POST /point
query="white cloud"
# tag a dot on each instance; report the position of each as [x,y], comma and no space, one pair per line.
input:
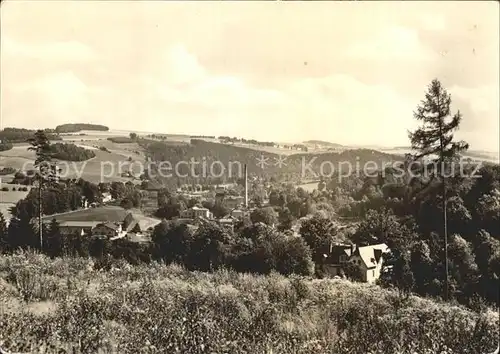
[483,99]
[181,67]
[391,43]
[59,97]
[335,105]
[53,51]
[185,80]
[433,22]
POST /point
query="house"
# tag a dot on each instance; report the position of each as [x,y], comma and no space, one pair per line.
[227,223]
[337,257]
[138,225]
[77,227]
[238,213]
[370,261]
[106,197]
[109,229]
[196,212]
[233,202]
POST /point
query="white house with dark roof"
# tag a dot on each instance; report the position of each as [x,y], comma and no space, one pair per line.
[196,212]
[370,261]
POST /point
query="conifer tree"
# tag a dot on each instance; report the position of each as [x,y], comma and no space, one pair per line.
[433,141]
[3,234]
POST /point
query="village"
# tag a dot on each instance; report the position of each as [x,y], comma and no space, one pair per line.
[109,221]
[249,177]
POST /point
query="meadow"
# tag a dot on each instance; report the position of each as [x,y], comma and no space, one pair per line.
[105,213]
[8,199]
[104,167]
[62,305]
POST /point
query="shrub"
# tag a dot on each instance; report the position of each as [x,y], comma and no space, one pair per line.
[4,146]
[7,170]
[114,307]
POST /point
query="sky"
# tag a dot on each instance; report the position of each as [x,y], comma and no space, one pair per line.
[345,72]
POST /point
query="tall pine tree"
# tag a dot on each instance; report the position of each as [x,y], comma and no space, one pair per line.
[40,144]
[433,141]
[4,246]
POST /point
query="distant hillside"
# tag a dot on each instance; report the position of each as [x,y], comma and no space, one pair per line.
[76,127]
[293,165]
[20,135]
[321,142]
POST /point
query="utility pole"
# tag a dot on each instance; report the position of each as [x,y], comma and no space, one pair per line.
[40,223]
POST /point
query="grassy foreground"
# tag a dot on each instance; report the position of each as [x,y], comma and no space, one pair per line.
[48,305]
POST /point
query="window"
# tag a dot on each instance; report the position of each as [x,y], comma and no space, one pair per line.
[373,273]
[342,258]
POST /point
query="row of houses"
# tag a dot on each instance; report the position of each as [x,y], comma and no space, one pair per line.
[196,214]
[110,222]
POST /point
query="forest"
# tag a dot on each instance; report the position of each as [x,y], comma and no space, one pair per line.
[76,127]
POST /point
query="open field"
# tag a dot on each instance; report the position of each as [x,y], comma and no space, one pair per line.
[268,149]
[5,210]
[70,303]
[105,167]
[11,196]
[105,213]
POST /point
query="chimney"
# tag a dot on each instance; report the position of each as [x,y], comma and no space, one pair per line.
[246,187]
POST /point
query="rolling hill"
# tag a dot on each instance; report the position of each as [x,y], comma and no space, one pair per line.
[260,162]
[324,143]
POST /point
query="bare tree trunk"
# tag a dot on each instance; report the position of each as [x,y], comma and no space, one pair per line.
[40,224]
[445,230]
[445,221]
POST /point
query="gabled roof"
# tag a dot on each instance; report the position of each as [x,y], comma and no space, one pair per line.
[198,208]
[370,255]
[227,220]
[337,251]
[79,223]
[110,225]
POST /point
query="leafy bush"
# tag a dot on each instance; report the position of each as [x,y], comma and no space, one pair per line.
[4,146]
[6,170]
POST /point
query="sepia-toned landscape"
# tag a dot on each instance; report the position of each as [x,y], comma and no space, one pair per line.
[249,177]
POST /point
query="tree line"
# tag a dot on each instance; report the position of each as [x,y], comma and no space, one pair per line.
[76,127]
